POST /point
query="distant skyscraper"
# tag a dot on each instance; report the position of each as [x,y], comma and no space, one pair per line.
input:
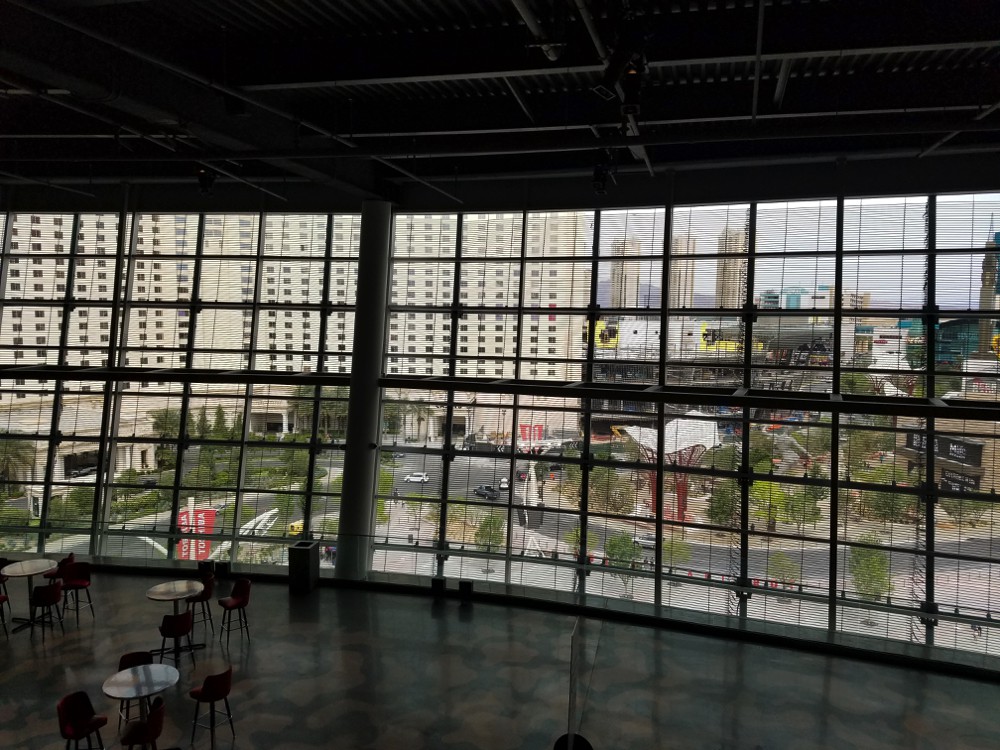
[626,273]
[731,273]
[682,272]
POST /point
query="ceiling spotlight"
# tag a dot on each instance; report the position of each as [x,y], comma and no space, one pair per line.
[206,181]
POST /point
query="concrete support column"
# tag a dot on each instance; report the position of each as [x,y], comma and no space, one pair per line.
[362,456]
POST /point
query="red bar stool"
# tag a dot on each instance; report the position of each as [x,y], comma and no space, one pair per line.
[147,731]
[237,601]
[215,688]
[47,598]
[78,720]
[127,661]
[76,578]
[204,612]
[176,627]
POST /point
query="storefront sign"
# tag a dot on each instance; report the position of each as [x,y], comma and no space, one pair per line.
[952,481]
[953,449]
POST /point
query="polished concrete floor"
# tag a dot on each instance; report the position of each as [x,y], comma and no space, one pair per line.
[355,669]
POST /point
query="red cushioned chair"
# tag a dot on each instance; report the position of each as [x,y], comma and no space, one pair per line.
[176,627]
[204,612]
[237,601]
[46,598]
[76,578]
[56,572]
[215,688]
[77,719]
[127,661]
[145,731]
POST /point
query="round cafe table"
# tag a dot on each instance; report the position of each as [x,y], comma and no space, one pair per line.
[140,684]
[27,569]
[176,592]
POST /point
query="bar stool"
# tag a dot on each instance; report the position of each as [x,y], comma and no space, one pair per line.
[215,688]
[127,661]
[237,601]
[47,598]
[78,720]
[145,731]
[76,578]
[176,627]
[204,612]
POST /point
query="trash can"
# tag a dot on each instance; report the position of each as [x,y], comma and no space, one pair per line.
[303,567]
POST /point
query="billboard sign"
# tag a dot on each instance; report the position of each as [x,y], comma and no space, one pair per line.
[960,451]
[199,521]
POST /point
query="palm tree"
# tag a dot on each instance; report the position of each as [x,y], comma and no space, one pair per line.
[17,457]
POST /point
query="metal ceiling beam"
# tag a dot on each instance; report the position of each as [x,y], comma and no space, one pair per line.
[782,85]
[978,118]
[554,142]
[46,183]
[750,59]
[208,83]
[520,100]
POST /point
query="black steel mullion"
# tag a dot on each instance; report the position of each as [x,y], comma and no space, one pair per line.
[320,360]
[448,453]
[55,435]
[586,411]
[107,450]
[746,469]
[660,473]
[838,320]
[515,410]
[929,485]
[183,438]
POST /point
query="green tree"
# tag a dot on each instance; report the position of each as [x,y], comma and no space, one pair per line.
[166,423]
[870,568]
[724,502]
[17,460]
[768,501]
[572,539]
[220,427]
[610,492]
[201,428]
[782,568]
[885,504]
[236,431]
[129,476]
[965,511]
[391,417]
[490,532]
[572,477]
[804,501]
[623,554]
[856,382]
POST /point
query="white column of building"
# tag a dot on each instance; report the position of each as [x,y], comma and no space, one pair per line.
[361,450]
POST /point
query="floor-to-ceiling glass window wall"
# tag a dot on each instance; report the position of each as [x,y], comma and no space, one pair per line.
[780,411]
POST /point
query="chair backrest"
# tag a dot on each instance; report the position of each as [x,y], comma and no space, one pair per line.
[74,710]
[134,659]
[208,581]
[154,721]
[217,686]
[45,596]
[174,626]
[241,590]
[76,571]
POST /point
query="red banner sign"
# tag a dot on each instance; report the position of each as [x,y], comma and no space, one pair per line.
[203,523]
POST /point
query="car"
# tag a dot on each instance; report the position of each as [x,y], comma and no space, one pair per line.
[83,471]
[397,454]
[488,491]
[504,483]
[417,476]
[645,540]
[149,480]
